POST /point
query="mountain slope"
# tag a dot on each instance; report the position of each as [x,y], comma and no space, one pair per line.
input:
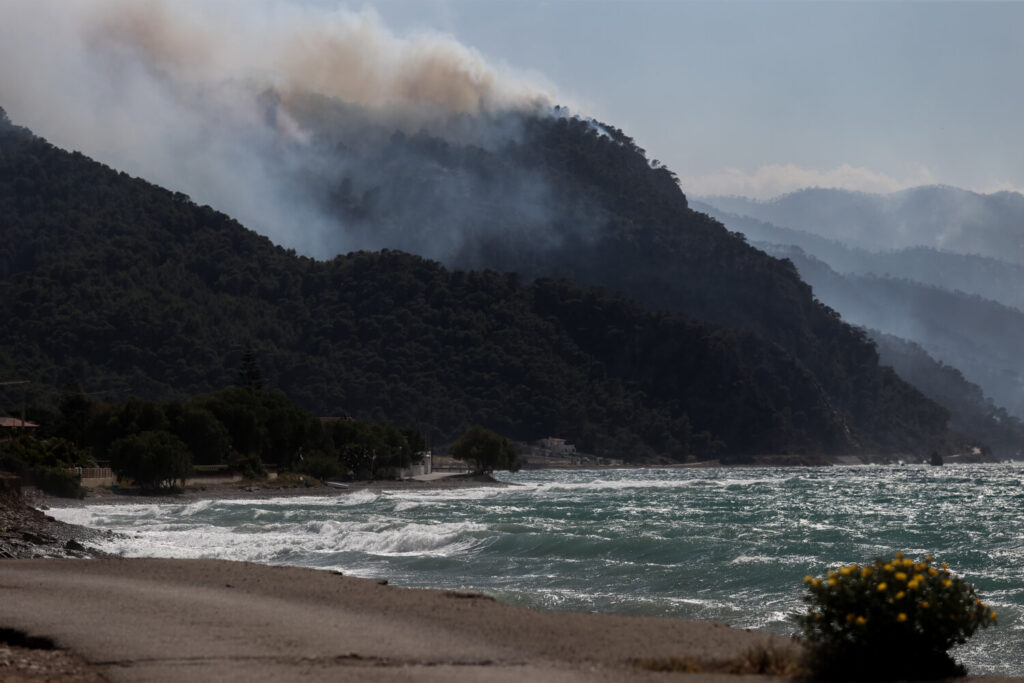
[607,217]
[130,288]
[978,337]
[971,412]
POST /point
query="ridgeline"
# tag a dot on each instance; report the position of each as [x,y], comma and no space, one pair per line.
[127,288]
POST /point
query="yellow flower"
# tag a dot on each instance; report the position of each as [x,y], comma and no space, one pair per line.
[947,583]
[945,566]
[908,562]
[833,575]
[882,586]
[832,582]
[845,571]
[992,616]
[913,585]
[865,573]
[928,558]
[899,555]
[808,579]
[924,604]
[901,576]
[888,567]
[899,596]
[861,621]
[932,571]
[901,617]
[816,583]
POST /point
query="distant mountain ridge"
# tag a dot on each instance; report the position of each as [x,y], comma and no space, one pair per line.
[970,410]
[984,276]
[981,338]
[936,216]
[122,284]
[963,310]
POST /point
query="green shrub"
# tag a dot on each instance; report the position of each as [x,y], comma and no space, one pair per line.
[153,460]
[321,466]
[487,450]
[893,619]
[57,481]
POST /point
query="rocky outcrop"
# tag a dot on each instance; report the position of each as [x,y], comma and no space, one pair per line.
[27,532]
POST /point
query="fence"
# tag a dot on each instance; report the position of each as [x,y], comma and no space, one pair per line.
[93,472]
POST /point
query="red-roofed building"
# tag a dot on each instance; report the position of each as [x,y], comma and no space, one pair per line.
[12,426]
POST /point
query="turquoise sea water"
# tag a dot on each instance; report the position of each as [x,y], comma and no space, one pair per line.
[724,544]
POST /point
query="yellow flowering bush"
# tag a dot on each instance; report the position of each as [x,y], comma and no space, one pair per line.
[893,619]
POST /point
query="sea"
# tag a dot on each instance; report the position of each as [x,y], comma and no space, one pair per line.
[726,544]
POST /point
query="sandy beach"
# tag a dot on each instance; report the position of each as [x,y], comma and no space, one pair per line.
[171,620]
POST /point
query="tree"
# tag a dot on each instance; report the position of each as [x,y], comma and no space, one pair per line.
[152,459]
[206,438]
[488,450]
[249,375]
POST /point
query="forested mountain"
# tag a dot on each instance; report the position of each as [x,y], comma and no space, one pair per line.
[970,411]
[980,338]
[962,309]
[940,217]
[126,287]
[599,213]
[987,277]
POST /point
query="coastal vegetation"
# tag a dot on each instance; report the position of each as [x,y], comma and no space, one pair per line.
[47,463]
[487,450]
[156,444]
[893,619]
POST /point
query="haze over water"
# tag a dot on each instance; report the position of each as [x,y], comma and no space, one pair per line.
[723,544]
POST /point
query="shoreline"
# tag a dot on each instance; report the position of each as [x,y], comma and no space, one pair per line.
[256,489]
[156,619]
[418,634]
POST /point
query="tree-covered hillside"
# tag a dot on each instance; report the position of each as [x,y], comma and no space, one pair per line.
[601,214]
[128,288]
[980,338]
[971,412]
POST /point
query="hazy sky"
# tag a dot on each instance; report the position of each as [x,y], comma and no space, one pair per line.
[752,98]
[759,98]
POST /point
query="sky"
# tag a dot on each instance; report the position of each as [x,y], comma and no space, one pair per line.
[747,98]
[762,98]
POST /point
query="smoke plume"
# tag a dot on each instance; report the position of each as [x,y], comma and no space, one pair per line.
[233,102]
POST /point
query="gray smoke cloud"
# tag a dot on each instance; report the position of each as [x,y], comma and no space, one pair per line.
[233,102]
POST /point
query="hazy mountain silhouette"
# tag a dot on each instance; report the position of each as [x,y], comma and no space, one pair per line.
[970,410]
[984,276]
[978,337]
[940,217]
